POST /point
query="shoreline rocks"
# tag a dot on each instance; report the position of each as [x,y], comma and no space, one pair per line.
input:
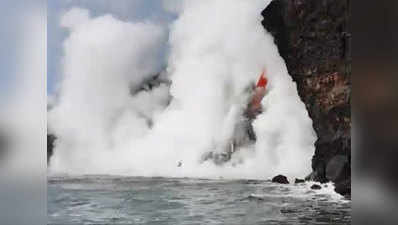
[299,181]
[280,179]
[316,187]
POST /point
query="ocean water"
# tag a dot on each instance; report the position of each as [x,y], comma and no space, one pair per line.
[174,201]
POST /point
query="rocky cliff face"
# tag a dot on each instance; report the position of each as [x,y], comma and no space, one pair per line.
[313,38]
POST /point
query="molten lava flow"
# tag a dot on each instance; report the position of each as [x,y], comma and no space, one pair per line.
[243,134]
[262,81]
[254,107]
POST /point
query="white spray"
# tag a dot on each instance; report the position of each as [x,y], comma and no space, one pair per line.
[218,49]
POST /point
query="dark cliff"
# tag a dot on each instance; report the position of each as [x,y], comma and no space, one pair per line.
[314,40]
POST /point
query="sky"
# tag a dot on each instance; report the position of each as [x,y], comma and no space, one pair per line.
[8,53]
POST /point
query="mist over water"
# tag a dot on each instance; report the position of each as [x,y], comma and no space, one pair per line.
[105,124]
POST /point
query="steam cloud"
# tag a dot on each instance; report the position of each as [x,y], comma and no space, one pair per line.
[218,48]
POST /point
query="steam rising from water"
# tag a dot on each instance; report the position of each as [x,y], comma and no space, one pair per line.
[218,49]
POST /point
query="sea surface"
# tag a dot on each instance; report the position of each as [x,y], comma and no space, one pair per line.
[174,201]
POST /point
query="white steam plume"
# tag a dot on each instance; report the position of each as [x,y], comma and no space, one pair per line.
[104,59]
[218,49]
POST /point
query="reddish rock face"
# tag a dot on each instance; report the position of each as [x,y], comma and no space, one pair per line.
[313,38]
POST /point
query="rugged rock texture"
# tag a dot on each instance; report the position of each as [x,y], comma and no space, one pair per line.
[313,38]
[280,179]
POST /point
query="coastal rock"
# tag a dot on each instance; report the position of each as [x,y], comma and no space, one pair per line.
[343,187]
[313,38]
[299,181]
[280,179]
[316,187]
[336,168]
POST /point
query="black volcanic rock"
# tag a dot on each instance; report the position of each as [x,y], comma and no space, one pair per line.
[280,179]
[337,168]
[316,187]
[314,40]
[343,187]
[299,181]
